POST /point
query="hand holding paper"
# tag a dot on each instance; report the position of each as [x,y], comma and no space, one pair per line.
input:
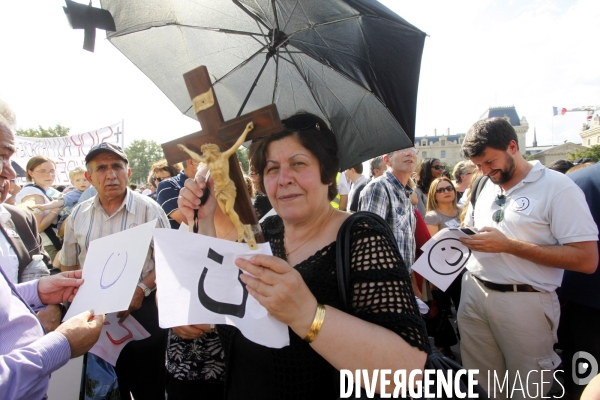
[111,271]
[198,283]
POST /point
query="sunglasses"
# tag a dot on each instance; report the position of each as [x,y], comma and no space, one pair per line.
[445,189]
[498,215]
[158,179]
[437,167]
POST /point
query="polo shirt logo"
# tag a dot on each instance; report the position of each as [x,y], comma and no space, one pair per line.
[523,205]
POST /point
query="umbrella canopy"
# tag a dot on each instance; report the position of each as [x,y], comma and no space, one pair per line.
[354,63]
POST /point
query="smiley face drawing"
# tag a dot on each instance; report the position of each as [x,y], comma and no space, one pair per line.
[448,256]
[521,204]
[113,269]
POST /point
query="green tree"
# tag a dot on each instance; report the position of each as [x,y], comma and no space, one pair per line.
[593,153]
[141,154]
[57,131]
[529,157]
[242,156]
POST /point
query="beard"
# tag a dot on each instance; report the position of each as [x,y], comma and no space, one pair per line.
[506,173]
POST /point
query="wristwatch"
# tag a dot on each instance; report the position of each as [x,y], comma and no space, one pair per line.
[145,289]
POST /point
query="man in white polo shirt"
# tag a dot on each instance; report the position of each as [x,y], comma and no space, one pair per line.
[539,224]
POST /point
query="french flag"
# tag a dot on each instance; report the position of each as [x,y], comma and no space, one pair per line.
[558,111]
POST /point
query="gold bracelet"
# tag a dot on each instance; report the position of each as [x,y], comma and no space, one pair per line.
[316,324]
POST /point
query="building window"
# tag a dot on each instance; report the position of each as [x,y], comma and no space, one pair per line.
[424,143]
[443,142]
[424,154]
[443,154]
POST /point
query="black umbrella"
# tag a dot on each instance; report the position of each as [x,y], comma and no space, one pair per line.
[20,171]
[354,63]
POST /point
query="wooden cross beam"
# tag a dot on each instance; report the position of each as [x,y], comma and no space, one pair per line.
[224,134]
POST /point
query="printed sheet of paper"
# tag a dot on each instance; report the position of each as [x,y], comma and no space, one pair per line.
[444,257]
[116,335]
[111,271]
[198,283]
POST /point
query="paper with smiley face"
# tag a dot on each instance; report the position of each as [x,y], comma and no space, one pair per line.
[111,271]
[444,257]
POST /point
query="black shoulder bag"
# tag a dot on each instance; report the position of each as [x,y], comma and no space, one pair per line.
[49,231]
[435,360]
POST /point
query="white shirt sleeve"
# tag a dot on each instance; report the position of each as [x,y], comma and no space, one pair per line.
[343,185]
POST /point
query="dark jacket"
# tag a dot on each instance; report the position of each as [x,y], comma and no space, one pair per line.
[29,242]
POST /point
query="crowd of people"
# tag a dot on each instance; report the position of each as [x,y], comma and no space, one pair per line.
[516,311]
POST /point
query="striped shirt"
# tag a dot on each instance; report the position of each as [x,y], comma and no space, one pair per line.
[401,216]
[27,356]
[89,221]
[167,194]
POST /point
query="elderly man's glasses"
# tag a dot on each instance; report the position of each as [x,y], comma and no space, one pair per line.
[445,189]
[498,215]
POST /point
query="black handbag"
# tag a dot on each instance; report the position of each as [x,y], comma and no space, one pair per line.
[435,360]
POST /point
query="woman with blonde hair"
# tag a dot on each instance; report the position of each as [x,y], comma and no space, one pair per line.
[442,209]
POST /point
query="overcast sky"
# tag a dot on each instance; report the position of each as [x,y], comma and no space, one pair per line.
[533,54]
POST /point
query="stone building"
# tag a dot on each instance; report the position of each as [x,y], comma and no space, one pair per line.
[555,153]
[590,133]
[446,147]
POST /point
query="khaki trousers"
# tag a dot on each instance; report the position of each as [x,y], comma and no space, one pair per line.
[511,334]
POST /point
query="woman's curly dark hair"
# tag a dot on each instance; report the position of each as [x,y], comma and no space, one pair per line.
[424,176]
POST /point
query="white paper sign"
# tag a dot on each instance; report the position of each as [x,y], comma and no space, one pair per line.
[444,257]
[111,271]
[198,283]
[115,335]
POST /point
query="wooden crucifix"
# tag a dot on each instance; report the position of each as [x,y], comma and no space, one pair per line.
[224,134]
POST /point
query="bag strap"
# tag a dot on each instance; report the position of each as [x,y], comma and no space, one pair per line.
[342,251]
[476,191]
[41,189]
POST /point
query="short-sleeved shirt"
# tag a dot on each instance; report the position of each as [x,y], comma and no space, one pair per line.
[441,220]
[546,208]
[400,217]
[167,193]
[89,221]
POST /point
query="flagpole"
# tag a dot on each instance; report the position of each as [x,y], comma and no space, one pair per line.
[552,133]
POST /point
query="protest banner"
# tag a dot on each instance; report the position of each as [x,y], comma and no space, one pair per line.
[67,152]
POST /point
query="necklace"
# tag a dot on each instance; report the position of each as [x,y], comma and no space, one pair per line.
[227,234]
[287,253]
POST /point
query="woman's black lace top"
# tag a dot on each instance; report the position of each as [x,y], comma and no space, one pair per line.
[382,295]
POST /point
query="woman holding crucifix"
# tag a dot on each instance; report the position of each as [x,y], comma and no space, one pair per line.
[298,285]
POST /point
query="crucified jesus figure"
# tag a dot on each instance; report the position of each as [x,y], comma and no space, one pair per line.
[225,192]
